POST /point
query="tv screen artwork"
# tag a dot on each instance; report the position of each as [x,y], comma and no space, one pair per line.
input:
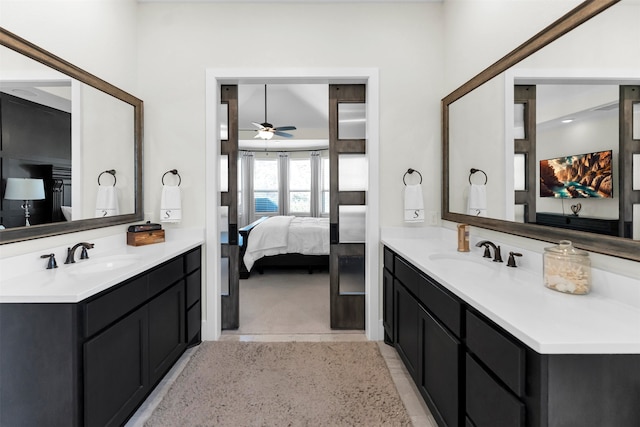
[580,176]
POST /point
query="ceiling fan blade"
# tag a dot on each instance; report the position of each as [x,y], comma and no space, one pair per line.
[286,128]
[286,135]
[258,125]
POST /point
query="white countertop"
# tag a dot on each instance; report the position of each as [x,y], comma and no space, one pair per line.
[548,321]
[69,284]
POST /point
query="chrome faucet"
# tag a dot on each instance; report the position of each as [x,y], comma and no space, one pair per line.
[83,255]
[497,256]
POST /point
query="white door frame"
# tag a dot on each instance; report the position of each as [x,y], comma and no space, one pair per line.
[211,324]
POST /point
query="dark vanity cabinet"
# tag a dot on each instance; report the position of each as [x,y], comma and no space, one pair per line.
[473,373]
[93,363]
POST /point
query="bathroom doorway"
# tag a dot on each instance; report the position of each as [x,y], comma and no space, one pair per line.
[215,78]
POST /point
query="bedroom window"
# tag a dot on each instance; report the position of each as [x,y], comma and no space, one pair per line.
[324,186]
[300,186]
[265,184]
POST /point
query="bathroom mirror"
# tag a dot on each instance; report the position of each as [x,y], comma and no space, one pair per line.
[476,117]
[88,134]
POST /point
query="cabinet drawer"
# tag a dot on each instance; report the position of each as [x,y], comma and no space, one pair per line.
[504,357]
[388,259]
[443,305]
[488,403]
[166,275]
[192,260]
[406,274]
[194,285]
[194,319]
[111,306]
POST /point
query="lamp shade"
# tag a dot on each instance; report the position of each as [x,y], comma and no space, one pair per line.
[24,189]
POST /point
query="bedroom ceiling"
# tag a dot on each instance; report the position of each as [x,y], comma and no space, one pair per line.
[305,106]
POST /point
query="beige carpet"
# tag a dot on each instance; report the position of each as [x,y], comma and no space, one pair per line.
[284,302]
[283,384]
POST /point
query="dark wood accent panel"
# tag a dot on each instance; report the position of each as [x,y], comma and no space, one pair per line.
[440,355]
[230,303]
[504,357]
[527,95]
[487,403]
[628,147]
[347,311]
[115,372]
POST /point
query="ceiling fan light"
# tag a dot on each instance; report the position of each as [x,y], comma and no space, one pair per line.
[265,134]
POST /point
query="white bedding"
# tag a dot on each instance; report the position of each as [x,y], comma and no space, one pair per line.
[287,234]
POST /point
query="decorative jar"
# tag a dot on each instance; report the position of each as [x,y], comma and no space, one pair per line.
[567,269]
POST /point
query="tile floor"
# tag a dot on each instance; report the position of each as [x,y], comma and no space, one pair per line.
[416,408]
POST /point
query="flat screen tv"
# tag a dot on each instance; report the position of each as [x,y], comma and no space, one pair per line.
[578,176]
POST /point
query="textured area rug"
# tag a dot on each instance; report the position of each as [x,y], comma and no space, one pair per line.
[283,384]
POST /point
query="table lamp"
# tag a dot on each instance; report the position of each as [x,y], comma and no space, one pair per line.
[24,189]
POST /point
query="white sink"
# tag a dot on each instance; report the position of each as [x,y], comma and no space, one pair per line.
[465,263]
[104,264]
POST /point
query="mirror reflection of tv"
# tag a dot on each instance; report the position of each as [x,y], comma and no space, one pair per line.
[578,176]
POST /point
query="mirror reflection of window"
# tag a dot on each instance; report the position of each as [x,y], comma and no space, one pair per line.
[636,171]
[223,114]
[518,121]
[224,173]
[353,172]
[636,120]
[519,175]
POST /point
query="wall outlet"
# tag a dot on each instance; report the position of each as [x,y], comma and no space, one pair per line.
[433,217]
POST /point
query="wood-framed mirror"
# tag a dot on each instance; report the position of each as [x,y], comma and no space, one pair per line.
[102,129]
[454,181]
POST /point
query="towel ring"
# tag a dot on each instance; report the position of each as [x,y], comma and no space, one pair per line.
[474,170]
[111,172]
[175,172]
[410,171]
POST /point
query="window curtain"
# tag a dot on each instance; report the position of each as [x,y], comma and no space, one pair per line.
[283,183]
[316,184]
[245,187]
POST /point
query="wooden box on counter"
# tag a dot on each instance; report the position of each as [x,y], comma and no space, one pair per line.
[141,238]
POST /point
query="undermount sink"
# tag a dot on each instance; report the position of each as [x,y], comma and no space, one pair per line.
[466,263]
[103,265]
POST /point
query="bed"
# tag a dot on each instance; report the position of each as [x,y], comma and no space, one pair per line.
[284,242]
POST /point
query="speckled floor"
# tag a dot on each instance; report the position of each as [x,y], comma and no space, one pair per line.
[268,327]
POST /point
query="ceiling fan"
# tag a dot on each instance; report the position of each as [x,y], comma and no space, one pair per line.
[266,130]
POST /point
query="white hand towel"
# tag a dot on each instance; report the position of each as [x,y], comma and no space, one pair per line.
[477,202]
[107,201]
[171,204]
[413,203]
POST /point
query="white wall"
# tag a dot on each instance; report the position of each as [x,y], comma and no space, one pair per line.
[177,43]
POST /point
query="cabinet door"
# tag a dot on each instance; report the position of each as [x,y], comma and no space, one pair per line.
[406,333]
[115,371]
[387,305]
[440,353]
[167,328]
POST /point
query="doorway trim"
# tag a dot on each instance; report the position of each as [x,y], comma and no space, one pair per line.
[211,322]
